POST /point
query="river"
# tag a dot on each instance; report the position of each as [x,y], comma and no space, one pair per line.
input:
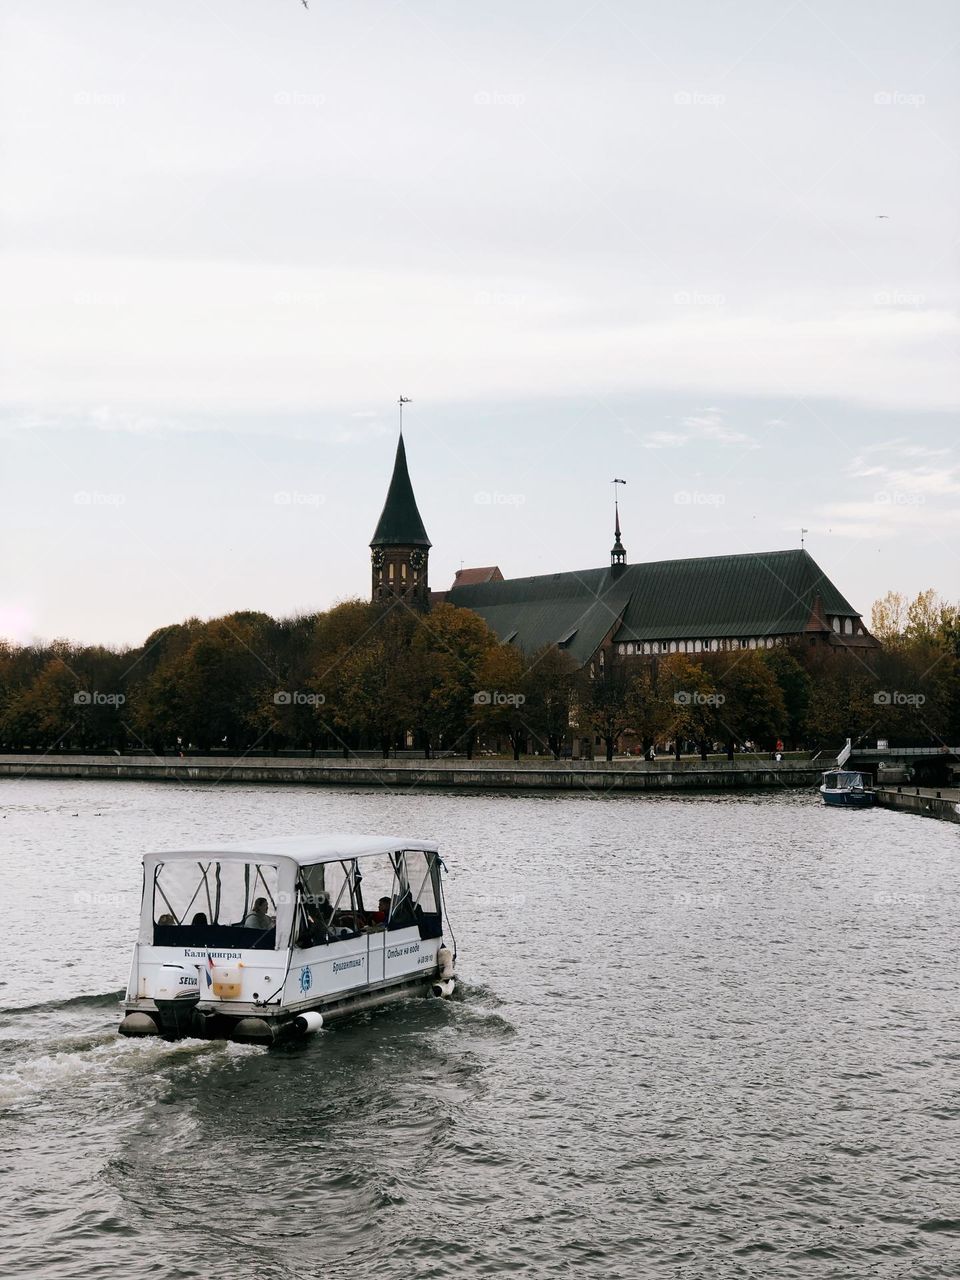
[695,1037]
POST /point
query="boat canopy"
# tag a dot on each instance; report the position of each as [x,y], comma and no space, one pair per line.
[301,850]
[252,888]
[842,779]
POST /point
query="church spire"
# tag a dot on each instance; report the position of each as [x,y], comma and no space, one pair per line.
[400,523]
[399,548]
[618,554]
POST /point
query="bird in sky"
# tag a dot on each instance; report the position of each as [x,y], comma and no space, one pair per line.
[305,5]
[879,215]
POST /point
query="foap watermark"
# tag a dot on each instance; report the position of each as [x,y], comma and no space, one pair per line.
[694,298]
[294,498]
[88,498]
[496,298]
[95,298]
[97,98]
[91,898]
[497,698]
[694,498]
[894,98]
[294,298]
[899,899]
[493,901]
[494,498]
[94,698]
[694,698]
[293,98]
[898,298]
[896,698]
[495,98]
[298,698]
[694,98]
[899,498]
[711,900]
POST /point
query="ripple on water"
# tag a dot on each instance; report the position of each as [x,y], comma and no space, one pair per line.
[704,1036]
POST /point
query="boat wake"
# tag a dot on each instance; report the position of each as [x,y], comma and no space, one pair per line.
[107,999]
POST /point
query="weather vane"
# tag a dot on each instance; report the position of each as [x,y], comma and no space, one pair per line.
[401,402]
[615,482]
[802,532]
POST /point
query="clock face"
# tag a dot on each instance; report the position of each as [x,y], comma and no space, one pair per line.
[417,559]
[377,557]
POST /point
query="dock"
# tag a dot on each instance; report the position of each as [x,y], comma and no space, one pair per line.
[928,802]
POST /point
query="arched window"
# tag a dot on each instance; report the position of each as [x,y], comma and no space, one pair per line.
[646,646]
[848,626]
[673,646]
[697,646]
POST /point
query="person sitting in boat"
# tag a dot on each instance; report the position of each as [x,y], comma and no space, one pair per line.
[167,918]
[382,912]
[258,918]
[199,918]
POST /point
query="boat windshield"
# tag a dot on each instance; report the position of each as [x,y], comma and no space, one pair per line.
[390,891]
[208,903]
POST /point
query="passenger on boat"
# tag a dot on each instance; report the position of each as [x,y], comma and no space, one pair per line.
[258,918]
[316,923]
[382,912]
[199,918]
[167,918]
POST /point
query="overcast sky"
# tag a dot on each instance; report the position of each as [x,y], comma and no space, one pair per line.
[587,239]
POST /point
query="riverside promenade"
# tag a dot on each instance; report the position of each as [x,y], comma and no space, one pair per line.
[929,802]
[745,772]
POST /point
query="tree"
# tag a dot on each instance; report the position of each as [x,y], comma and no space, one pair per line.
[753,707]
[794,684]
[688,702]
[547,685]
[500,700]
[601,694]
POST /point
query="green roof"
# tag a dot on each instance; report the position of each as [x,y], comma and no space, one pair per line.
[400,524]
[759,594]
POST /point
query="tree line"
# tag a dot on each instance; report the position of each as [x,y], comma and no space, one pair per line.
[364,676]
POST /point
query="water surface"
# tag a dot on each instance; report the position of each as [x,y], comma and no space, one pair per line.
[696,1036]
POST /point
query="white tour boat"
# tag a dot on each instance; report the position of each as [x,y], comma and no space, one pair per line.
[270,939]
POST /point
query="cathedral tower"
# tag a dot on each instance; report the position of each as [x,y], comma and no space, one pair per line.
[400,548]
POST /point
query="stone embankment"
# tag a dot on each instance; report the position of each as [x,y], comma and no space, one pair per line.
[541,775]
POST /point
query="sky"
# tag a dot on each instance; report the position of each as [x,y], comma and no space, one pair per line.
[586,239]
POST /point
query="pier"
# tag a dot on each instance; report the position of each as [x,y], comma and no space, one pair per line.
[929,802]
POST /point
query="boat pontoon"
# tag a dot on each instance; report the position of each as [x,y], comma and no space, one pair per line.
[272,938]
[844,788]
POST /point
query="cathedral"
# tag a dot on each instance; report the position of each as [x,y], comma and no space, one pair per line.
[708,604]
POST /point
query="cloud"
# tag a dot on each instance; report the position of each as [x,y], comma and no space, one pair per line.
[705,426]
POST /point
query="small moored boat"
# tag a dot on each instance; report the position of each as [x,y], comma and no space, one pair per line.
[270,939]
[846,789]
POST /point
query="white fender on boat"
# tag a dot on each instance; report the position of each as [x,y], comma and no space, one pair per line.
[444,987]
[445,961]
[309,1022]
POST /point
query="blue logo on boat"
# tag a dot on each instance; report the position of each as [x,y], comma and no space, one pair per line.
[306,980]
